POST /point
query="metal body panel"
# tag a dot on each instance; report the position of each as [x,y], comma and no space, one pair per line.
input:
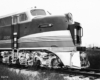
[59,34]
[47,39]
[33,27]
[71,59]
[58,23]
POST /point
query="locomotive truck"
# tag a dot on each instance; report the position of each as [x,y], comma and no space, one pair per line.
[35,38]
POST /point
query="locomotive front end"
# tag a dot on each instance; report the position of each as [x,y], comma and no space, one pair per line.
[70,53]
[58,34]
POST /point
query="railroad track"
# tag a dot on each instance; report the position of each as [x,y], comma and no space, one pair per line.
[84,72]
[90,74]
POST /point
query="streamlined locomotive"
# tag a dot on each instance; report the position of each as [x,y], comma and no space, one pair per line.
[35,38]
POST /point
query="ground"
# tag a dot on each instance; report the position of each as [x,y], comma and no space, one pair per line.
[94,58]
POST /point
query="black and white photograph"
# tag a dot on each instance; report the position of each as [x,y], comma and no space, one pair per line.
[49,40]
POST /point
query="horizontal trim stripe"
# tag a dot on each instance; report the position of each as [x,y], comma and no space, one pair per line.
[5,48]
[51,48]
[50,33]
[5,45]
[47,44]
[37,39]
[62,35]
[5,41]
[48,37]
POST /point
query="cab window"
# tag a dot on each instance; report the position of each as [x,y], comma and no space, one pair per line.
[38,12]
[6,21]
[15,19]
[22,17]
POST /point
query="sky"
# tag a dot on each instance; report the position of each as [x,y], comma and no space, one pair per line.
[86,12]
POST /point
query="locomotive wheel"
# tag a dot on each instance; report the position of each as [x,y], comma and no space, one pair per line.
[37,64]
[1,58]
[1,61]
[10,61]
[17,63]
[54,63]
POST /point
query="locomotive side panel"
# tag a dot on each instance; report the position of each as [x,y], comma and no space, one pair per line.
[47,39]
[44,24]
[5,37]
[27,29]
[44,32]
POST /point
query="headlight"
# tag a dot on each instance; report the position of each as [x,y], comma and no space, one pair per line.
[69,18]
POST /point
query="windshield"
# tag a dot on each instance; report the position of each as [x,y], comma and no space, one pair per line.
[38,12]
